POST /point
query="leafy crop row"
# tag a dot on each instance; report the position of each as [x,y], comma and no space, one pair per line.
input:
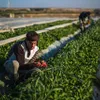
[20,31]
[69,75]
[46,39]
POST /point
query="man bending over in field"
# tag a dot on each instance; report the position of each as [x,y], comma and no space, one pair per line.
[84,19]
[23,56]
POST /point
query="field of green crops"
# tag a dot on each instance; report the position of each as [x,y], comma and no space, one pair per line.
[70,73]
[21,31]
[46,39]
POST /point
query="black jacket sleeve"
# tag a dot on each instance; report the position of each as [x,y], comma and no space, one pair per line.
[19,52]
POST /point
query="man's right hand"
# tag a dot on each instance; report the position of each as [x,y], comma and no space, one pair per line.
[37,64]
[44,64]
[40,64]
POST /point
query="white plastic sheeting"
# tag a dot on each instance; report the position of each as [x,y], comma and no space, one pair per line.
[6,24]
[3,42]
[57,45]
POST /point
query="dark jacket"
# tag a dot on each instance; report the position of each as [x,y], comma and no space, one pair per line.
[20,55]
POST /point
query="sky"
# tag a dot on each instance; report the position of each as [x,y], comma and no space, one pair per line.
[51,3]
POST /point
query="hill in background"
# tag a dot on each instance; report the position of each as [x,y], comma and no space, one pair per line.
[45,12]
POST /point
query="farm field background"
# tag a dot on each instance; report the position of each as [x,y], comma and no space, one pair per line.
[46,38]
[70,73]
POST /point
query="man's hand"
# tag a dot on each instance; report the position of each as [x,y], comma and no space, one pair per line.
[43,64]
[40,64]
[37,64]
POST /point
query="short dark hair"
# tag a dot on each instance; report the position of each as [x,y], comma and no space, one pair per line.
[32,36]
[88,13]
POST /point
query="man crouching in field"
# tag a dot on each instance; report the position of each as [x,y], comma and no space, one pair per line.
[23,56]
